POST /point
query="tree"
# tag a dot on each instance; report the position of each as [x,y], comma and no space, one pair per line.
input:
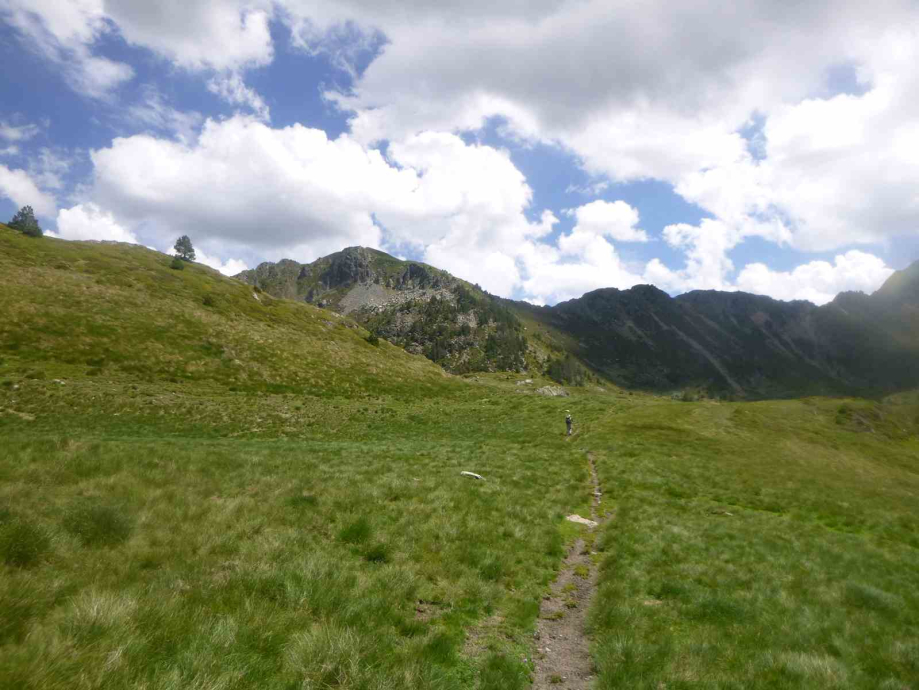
[184,250]
[25,222]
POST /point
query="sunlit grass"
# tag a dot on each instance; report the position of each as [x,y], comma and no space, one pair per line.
[203,489]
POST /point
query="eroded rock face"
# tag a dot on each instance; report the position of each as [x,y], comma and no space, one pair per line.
[349,266]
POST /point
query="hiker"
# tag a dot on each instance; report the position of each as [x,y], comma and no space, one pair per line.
[568,421]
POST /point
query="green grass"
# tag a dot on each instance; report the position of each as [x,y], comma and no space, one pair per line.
[202,489]
[763,545]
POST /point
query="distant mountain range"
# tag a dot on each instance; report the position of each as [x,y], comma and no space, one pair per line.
[724,342]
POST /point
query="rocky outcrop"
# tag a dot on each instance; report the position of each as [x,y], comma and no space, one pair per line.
[423,309]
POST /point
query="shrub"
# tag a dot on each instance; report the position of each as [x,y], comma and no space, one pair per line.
[177,264]
[97,525]
[373,338]
[22,544]
[209,301]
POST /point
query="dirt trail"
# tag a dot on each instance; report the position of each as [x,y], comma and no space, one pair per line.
[562,647]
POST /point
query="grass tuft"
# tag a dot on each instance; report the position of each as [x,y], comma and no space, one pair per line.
[96,525]
[356,532]
[22,544]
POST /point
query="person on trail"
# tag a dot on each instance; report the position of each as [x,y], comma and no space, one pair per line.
[568,421]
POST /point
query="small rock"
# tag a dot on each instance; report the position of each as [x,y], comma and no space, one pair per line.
[525,382]
[582,521]
[473,475]
[553,391]
[59,382]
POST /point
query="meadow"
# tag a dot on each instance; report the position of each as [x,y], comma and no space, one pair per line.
[204,487]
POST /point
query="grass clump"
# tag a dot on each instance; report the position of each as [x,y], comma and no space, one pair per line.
[22,544]
[378,553]
[356,532]
[503,672]
[177,264]
[97,525]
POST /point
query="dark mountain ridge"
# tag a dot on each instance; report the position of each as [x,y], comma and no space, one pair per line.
[725,342]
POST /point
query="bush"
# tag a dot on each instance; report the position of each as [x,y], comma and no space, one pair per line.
[22,544]
[373,339]
[209,301]
[177,264]
[97,525]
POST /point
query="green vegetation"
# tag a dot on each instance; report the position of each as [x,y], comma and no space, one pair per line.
[568,370]
[25,222]
[184,249]
[759,545]
[205,486]
[468,332]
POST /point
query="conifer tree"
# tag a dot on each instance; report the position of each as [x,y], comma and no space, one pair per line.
[25,222]
[183,248]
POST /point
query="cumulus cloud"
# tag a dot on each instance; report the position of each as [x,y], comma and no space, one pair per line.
[687,81]
[89,222]
[293,192]
[616,220]
[817,281]
[279,191]
[230,267]
[22,190]
[660,92]
[198,34]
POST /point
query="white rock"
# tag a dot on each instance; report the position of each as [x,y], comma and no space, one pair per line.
[472,474]
[582,521]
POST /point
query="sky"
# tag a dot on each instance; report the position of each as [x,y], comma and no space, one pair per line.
[539,148]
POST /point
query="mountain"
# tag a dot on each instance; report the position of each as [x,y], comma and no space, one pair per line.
[413,305]
[724,342]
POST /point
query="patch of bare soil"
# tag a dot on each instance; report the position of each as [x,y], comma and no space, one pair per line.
[562,646]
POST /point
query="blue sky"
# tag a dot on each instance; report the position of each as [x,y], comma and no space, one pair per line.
[540,149]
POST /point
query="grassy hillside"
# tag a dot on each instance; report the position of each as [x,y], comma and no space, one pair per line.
[199,488]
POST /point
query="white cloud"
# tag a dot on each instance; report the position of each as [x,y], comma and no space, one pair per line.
[198,34]
[293,192]
[230,267]
[277,191]
[47,168]
[17,133]
[64,33]
[231,88]
[817,281]
[616,220]
[89,222]
[661,91]
[153,112]
[19,187]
